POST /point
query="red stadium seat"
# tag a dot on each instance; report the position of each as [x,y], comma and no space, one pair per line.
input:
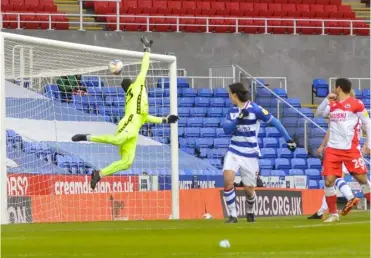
[335,2]
[331,28]
[323,2]
[361,28]
[172,23]
[281,1]
[247,26]
[288,26]
[29,22]
[129,7]
[61,22]
[304,10]
[317,26]
[291,10]
[103,8]
[277,10]
[176,7]
[275,26]
[310,2]
[205,8]
[158,24]
[248,9]
[222,25]
[304,27]
[145,6]
[344,27]
[43,21]
[220,8]
[90,4]
[294,1]
[161,7]
[18,5]
[191,8]
[234,9]
[11,21]
[51,8]
[263,10]
[33,5]
[186,23]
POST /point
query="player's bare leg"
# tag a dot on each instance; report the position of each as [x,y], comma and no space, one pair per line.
[230,195]
[250,200]
[331,198]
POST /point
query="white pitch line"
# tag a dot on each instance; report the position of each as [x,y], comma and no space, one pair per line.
[335,223]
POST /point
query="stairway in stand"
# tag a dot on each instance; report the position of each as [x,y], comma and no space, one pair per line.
[361,10]
[73,7]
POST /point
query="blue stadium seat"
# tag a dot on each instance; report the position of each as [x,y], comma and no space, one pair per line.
[221,142]
[296,172]
[317,132]
[263,124]
[225,112]
[357,93]
[95,91]
[62,162]
[109,101]
[160,132]
[321,184]
[320,121]
[274,103]
[180,131]
[202,102]
[261,132]
[204,92]
[211,122]
[313,174]
[163,111]
[182,142]
[289,122]
[266,164]
[366,102]
[228,103]
[289,112]
[207,132]
[285,153]
[217,102]
[189,92]
[52,91]
[301,153]
[216,163]
[320,87]
[268,153]
[156,92]
[315,142]
[282,164]
[217,153]
[191,142]
[282,143]
[195,122]
[183,111]
[190,151]
[307,112]
[118,101]
[166,102]
[264,102]
[280,92]
[197,111]
[269,142]
[220,93]
[80,99]
[220,133]
[265,172]
[152,111]
[298,163]
[191,132]
[272,132]
[164,140]
[186,102]
[313,184]
[366,93]
[263,92]
[295,102]
[278,173]
[111,91]
[204,143]
[203,152]
[214,112]
[182,122]
[260,143]
[314,163]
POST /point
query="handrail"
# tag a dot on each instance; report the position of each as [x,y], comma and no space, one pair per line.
[177,23]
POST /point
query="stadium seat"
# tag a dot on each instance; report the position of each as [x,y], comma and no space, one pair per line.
[266,164]
[272,132]
[313,174]
[285,153]
[183,112]
[280,92]
[294,102]
[262,132]
[217,102]
[160,132]
[221,143]
[198,112]
[191,132]
[278,173]
[228,103]
[320,86]
[270,142]
[366,93]
[321,122]
[317,133]
[296,172]
[321,184]
[282,143]
[203,152]
[289,122]
[202,102]
[186,102]
[207,132]
[301,153]
[282,164]
[182,142]
[298,163]
[216,163]
[214,112]
[225,112]
[314,163]
[268,153]
[220,133]
[307,112]
[204,143]
[189,92]
[220,93]
[190,151]
[313,184]
[217,153]
[211,122]
[180,131]
[191,142]
[204,92]
[195,122]
[265,172]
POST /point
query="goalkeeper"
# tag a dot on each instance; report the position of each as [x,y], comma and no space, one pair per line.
[136,114]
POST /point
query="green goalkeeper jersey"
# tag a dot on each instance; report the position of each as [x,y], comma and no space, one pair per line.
[136,95]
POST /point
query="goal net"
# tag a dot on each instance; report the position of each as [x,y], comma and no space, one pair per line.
[54,90]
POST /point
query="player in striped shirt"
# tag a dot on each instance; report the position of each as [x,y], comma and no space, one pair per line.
[243,122]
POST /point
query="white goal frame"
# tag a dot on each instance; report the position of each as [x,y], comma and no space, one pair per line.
[172,66]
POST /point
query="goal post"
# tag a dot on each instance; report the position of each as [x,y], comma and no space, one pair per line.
[42,62]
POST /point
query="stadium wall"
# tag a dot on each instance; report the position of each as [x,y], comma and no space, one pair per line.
[299,58]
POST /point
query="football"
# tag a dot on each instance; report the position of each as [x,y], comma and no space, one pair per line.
[115,66]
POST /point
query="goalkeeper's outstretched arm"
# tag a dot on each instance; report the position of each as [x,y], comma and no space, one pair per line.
[162,120]
[145,61]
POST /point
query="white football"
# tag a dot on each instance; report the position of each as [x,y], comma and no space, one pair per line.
[207,216]
[115,66]
[224,244]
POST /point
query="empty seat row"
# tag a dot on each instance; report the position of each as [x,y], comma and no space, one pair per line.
[310,172]
[285,164]
[28,5]
[31,21]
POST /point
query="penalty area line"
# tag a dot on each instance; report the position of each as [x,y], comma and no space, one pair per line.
[335,223]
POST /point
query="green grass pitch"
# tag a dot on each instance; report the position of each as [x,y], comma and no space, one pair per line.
[279,237]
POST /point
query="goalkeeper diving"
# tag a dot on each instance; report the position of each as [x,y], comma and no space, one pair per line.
[136,114]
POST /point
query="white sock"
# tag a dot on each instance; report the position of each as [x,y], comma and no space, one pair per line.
[250,203]
[230,199]
[344,188]
[324,206]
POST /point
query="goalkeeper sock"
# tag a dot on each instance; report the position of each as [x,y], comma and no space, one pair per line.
[250,203]
[230,199]
[330,194]
[323,208]
[344,188]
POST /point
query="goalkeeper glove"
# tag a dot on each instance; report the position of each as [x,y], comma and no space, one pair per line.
[244,113]
[291,145]
[147,44]
[170,119]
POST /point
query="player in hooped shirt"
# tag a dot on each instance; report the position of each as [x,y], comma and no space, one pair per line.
[346,115]
[243,122]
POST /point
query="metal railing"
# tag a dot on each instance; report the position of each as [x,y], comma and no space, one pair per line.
[358,82]
[179,23]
